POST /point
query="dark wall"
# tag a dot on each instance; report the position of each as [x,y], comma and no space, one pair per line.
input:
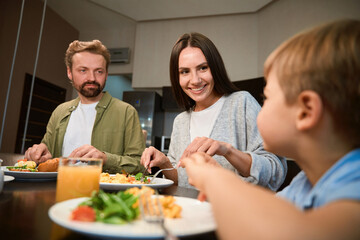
[57,34]
[254,86]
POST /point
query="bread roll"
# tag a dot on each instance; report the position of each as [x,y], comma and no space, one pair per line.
[50,165]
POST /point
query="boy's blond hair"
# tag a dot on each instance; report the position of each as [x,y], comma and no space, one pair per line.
[94,46]
[326,60]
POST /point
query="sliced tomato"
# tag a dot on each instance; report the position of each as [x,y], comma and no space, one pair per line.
[83,214]
[22,160]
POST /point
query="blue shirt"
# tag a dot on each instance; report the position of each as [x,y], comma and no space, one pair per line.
[341,181]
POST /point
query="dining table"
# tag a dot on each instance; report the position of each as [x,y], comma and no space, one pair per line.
[24,207]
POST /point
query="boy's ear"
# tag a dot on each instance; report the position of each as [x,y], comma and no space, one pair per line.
[310,108]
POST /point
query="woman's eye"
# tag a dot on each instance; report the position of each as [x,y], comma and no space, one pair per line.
[182,72]
[204,68]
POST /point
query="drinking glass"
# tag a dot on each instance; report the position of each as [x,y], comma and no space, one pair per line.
[77,177]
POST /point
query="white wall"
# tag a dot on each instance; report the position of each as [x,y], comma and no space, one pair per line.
[154,41]
[244,40]
[284,18]
[121,34]
[114,30]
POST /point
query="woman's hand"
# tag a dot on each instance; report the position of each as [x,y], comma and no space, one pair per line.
[152,157]
[208,146]
[200,158]
[240,160]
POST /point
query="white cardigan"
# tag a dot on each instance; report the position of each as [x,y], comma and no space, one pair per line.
[235,124]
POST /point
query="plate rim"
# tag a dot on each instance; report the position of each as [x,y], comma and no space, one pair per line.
[29,175]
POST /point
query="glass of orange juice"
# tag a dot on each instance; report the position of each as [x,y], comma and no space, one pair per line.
[77,177]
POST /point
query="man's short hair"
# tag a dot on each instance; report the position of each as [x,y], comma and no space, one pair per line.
[94,46]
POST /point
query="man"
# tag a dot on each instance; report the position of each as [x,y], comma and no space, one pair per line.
[94,124]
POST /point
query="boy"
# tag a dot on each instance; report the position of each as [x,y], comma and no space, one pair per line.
[311,114]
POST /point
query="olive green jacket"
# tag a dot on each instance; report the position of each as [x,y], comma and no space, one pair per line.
[116,132]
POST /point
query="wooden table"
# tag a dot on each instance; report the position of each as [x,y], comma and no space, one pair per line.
[24,211]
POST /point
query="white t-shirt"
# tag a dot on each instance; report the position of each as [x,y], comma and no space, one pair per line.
[79,129]
[202,123]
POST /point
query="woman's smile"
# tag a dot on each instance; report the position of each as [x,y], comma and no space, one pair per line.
[195,90]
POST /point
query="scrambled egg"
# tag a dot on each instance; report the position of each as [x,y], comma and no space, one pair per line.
[118,178]
[28,164]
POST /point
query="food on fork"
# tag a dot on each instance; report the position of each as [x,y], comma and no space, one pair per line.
[169,208]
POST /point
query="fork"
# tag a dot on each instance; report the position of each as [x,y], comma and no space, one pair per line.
[143,174]
[157,173]
[152,212]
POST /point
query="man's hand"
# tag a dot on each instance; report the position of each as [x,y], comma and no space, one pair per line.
[38,153]
[88,151]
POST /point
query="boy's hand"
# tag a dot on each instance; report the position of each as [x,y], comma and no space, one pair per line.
[199,167]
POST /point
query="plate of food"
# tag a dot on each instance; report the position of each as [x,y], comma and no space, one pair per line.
[123,181]
[194,217]
[30,171]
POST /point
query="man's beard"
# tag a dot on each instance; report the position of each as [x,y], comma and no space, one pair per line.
[90,92]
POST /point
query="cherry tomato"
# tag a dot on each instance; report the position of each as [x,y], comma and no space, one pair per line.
[83,214]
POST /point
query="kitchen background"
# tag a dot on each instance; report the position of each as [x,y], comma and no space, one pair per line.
[245,32]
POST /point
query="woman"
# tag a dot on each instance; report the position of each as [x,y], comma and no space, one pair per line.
[219,120]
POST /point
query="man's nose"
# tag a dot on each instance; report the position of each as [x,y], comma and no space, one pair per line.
[91,75]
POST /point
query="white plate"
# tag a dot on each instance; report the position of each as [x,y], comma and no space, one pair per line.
[157,184]
[29,176]
[196,218]
[8,178]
